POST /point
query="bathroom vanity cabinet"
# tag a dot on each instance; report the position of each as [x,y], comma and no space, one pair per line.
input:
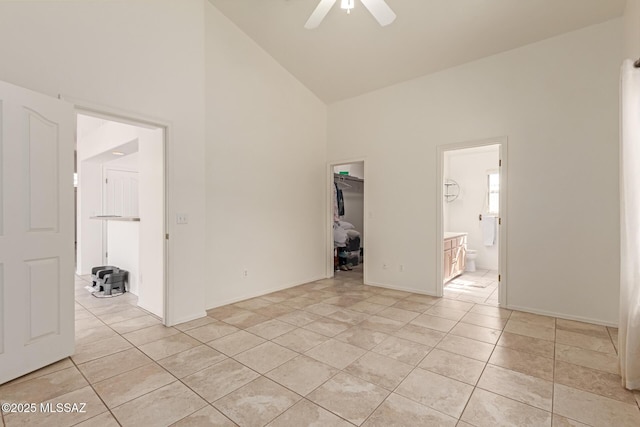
[455,251]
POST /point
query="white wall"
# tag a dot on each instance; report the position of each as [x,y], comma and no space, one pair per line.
[127,162]
[266,170]
[143,57]
[557,102]
[469,168]
[124,250]
[632,29]
[89,196]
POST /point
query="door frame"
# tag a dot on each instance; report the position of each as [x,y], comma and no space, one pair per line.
[329,211]
[502,142]
[135,119]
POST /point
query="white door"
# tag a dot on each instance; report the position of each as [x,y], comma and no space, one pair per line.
[36,231]
[121,193]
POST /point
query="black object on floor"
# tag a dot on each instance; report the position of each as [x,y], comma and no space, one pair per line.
[108,278]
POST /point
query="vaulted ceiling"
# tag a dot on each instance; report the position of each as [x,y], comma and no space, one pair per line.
[348,55]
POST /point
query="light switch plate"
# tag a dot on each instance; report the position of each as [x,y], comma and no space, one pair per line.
[182,218]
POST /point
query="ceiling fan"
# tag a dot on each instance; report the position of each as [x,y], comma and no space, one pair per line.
[378,8]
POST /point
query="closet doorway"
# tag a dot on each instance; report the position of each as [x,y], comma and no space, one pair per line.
[471,221]
[121,209]
[347,221]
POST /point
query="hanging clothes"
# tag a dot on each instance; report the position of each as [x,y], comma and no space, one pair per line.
[336,211]
[340,203]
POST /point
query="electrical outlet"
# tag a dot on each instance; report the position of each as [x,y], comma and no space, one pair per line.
[182,218]
[385,266]
[401,268]
[245,273]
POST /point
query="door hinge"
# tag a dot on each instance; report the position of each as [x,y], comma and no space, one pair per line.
[500,162]
[499,221]
[106,180]
[166,236]
[106,254]
[499,277]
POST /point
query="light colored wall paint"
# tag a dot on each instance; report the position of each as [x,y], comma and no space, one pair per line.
[128,162]
[557,102]
[121,243]
[266,153]
[632,29]
[469,168]
[124,250]
[145,57]
[89,203]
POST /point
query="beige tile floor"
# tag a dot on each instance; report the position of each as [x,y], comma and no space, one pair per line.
[480,286]
[335,353]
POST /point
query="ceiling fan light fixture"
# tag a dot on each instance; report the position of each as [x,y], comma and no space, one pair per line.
[347,5]
[378,8]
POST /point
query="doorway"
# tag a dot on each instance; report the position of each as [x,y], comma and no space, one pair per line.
[347,223]
[121,208]
[471,221]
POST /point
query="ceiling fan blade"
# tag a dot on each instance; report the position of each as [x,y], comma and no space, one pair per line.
[318,15]
[380,10]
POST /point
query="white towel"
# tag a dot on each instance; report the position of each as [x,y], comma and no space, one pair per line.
[488,225]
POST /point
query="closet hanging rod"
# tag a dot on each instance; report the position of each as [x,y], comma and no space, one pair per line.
[341,182]
[347,178]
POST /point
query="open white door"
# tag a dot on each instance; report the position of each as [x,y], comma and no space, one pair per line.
[36,231]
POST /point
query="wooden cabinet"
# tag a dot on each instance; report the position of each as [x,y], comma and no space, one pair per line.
[455,251]
[447,265]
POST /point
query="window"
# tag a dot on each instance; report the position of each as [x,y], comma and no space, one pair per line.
[493,182]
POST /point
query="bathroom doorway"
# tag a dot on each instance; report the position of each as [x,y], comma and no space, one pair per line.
[471,221]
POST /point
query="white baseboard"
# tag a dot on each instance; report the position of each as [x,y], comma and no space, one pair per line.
[561,315]
[510,307]
[399,288]
[265,292]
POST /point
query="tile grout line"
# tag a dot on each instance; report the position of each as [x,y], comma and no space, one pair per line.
[445,334]
[232,391]
[304,354]
[96,393]
[396,387]
[152,361]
